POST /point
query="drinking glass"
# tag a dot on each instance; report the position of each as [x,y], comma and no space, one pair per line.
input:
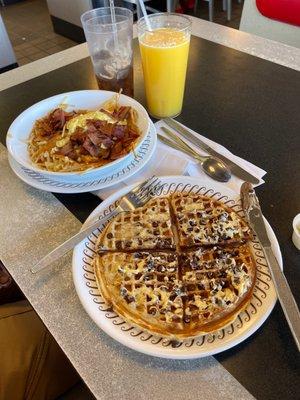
[164,51]
[110,47]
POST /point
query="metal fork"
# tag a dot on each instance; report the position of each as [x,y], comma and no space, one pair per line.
[136,198]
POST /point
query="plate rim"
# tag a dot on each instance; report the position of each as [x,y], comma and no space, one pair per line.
[169,353]
[9,139]
[18,169]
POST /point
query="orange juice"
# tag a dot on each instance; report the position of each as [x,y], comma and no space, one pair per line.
[164,54]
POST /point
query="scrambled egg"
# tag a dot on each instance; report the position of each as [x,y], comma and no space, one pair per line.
[80,120]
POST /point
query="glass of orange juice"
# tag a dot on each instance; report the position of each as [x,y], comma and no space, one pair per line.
[164,51]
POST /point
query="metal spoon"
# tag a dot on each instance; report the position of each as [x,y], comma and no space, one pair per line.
[213,167]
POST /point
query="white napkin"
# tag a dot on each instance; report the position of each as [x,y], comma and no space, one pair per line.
[167,161]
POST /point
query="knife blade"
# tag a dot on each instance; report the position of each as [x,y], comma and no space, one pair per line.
[251,206]
[235,169]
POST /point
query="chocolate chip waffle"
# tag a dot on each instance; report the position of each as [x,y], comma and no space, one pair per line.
[217,284]
[144,288]
[147,227]
[201,220]
[172,286]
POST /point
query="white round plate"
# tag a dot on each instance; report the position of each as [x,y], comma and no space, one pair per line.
[248,321]
[84,183]
[19,131]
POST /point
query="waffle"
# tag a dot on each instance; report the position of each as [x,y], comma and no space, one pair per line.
[143,288]
[176,285]
[217,284]
[147,227]
[201,220]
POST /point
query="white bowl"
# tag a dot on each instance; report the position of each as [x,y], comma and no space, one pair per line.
[19,131]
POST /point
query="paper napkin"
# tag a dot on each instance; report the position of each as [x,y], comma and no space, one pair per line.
[167,161]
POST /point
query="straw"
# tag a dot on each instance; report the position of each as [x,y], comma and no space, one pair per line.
[143,8]
[113,20]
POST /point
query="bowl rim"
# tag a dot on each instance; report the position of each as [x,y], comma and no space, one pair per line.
[33,167]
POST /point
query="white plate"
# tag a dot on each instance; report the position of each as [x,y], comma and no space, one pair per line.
[248,321]
[19,131]
[84,183]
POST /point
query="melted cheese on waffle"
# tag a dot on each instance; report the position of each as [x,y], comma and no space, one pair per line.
[201,220]
[146,283]
[215,280]
[145,228]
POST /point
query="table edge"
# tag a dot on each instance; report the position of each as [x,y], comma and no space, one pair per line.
[260,47]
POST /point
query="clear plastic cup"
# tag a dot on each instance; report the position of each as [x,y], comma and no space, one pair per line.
[164,52]
[110,47]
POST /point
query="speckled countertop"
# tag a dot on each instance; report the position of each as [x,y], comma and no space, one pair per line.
[270,50]
[33,222]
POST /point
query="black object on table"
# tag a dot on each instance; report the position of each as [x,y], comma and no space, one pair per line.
[251,106]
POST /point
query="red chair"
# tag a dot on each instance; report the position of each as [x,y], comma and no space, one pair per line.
[287,11]
[273,19]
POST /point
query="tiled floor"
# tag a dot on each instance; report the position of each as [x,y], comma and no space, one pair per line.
[30,31]
[220,16]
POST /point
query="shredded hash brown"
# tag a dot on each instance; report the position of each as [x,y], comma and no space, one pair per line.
[83,139]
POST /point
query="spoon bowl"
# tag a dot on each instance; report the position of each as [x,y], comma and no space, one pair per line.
[212,166]
[216,169]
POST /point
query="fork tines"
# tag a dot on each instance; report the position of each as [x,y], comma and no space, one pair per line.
[148,188]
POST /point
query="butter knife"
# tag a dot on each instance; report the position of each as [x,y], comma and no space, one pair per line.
[234,168]
[253,213]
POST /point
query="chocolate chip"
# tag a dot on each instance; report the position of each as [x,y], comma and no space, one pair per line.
[119,244]
[178,291]
[152,311]
[155,224]
[187,319]
[138,255]
[129,299]
[109,235]
[150,265]
[194,265]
